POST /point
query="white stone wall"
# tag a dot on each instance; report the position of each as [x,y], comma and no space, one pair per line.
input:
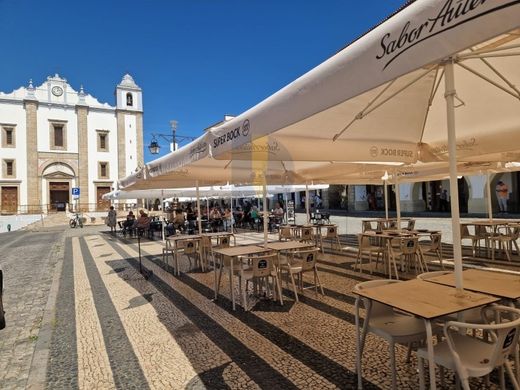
[46,114]
[131,143]
[101,121]
[15,114]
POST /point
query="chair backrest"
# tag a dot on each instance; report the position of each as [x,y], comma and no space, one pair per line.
[285,232]
[307,257]
[409,245]
[464,231]
[377,309]
[223,242]
[168,244]
[189,246]
[307,233]
[392,225]
[432,274]
[503,327]
[435,241]
[206,242]
[332,232]
[411,224]
[366,226]
[480,231]
[263,265]
[363,241]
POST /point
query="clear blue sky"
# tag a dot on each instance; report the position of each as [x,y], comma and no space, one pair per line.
[196,60]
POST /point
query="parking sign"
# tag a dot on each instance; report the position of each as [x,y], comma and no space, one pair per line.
[75,192]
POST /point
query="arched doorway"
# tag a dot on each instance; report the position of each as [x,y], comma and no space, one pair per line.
[57,180]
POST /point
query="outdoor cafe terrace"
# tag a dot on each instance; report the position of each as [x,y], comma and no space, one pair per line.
[257,342]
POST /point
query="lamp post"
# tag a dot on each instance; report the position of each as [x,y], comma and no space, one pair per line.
[154,146]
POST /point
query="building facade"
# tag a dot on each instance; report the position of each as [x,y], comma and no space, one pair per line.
[54,139]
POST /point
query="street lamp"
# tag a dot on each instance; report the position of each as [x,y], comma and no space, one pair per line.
[154,146]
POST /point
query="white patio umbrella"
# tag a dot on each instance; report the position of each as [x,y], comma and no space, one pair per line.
[381,98]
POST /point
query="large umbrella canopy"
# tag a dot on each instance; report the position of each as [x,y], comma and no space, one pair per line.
[435,82]
[382,97]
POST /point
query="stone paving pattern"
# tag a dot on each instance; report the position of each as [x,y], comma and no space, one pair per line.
[114,329]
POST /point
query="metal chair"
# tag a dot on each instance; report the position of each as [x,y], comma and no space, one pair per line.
[434,246]
[383,321]
[472,357]
[261,269]
[300,262]
[407,250]
[285,233]
[365,246]
[332,235]
[504,240]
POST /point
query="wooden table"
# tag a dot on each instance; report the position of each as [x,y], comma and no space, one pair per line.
[499,284]
[232,252]
[422,299]
[287,245]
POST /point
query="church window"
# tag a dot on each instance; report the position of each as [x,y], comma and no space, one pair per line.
[9,168]
[8,138]
[103,170]
[129,99]
[102,140]
[58,135]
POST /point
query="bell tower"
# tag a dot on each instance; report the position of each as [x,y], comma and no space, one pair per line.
[129,112]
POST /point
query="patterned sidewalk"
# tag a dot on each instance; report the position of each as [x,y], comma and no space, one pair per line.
[114,329]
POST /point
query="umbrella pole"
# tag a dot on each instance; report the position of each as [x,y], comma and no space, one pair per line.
[139,248]
[163,222]
[488,192]
[285,207]
[398,201]
[449,95]
[266,212]
[386,199]
[199,216]
[307,203]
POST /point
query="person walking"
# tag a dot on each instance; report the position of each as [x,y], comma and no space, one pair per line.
[112,219]
[502,194]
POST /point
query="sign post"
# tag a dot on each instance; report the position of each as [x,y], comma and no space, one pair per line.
[75,196]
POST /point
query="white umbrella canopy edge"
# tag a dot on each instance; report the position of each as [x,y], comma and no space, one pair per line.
[423,33]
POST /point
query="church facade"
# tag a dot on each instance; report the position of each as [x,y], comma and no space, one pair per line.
[56,141]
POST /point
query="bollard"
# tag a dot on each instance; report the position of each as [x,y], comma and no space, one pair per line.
[8,227]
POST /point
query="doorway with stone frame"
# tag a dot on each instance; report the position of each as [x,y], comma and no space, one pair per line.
[9,200]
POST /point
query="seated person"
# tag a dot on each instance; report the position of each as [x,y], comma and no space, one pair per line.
[143,222]
[179,220]
[130,219]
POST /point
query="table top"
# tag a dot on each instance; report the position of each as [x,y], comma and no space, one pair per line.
[389,234]
[425,299]
[287,245]
[243,250]
[184,237]
[217,234]
[499,284]
[385,219]
[495,222]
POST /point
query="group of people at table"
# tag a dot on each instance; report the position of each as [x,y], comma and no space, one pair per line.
[183,220]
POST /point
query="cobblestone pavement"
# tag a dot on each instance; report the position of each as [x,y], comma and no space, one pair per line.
[28,261]
[112,328]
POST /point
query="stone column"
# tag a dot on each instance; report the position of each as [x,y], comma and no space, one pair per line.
[82,174]
[33,183]
[121,148]
[139,138]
